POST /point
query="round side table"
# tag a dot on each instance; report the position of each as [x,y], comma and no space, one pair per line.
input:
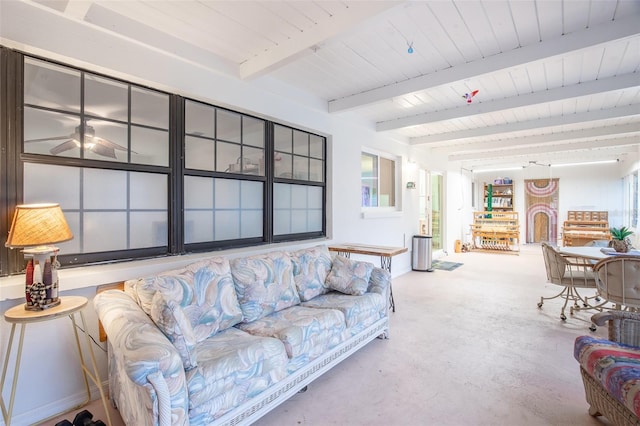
[18,315]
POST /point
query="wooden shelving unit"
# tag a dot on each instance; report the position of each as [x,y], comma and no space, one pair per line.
[495,231]
[501,197]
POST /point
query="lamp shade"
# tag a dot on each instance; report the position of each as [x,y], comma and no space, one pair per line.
[38,225]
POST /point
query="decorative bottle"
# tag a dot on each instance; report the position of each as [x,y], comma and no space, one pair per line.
[28,282]
[47,279]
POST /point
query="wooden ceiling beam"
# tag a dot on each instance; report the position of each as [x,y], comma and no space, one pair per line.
[603,114]
[614,30]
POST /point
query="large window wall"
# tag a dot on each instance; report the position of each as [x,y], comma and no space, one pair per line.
[140,172]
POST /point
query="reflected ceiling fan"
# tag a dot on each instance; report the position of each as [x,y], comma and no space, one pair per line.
[93,143]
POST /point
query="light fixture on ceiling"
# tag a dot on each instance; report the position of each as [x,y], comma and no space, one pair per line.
[586,163]
[498,169]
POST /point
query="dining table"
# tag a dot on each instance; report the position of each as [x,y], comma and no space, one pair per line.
[593,253]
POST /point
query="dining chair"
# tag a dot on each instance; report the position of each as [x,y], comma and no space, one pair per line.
[571,273]
[619,281]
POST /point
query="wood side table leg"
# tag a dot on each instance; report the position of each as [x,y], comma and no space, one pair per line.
[7,413]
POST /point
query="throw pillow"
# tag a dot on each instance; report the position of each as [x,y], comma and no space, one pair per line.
[264,284]
[310,269]
[349,276]
[167,314]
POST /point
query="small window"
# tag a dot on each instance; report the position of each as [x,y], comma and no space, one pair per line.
[378,181]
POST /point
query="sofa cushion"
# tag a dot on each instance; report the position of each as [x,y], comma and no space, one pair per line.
[310,269]
[359,311]
[305,332]
[614,365]
[264,284]
[204,290]
[232,367]
[349,276]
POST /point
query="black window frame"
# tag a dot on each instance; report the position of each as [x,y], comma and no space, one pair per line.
[12,159]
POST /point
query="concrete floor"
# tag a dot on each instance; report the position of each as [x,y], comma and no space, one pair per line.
[467,347]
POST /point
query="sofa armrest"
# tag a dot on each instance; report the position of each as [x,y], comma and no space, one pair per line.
[624,327]
[145,355]
[380,281]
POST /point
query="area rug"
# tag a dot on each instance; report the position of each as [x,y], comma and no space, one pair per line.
[444,265]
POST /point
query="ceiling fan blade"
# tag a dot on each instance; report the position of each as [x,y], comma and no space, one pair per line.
[107,143]
[103,150]
[65,146]
[56,138]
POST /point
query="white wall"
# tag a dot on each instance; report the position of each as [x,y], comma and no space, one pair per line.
[50,379]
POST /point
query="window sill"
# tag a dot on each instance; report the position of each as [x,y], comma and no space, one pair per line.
[376,214]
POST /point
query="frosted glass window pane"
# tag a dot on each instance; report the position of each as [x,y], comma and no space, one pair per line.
[198,226]
[282,222]
[148,191]
[316,144]
[228,126]
[298,196]
[107,141]
[37,187]
[149,146]
[250,223]
[51,85]
[252,132]
[283,165]
[227,194]
[251,195]
[149,108]
[253,161]
[106,98]
[104,189]
[316,172]
[281,196]
[300,168]
[227,225]
[73,245]
[39,125]
[314,197]
[300,143]
[198,192]
[315,221]
[298,221]
[228,159]
[148,229]
[199,153]
[283,138]
[104,231]
[200,119]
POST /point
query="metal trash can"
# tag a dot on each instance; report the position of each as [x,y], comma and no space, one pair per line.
[421,253]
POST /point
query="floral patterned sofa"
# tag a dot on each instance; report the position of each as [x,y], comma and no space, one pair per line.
[224,341]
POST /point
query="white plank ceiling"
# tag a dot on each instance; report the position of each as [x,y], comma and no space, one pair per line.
[557,80]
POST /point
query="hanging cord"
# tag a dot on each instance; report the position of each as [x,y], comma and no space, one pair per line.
[94,340]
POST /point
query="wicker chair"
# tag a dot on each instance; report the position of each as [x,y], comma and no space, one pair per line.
[612,365]
[619,281]
[571,274]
